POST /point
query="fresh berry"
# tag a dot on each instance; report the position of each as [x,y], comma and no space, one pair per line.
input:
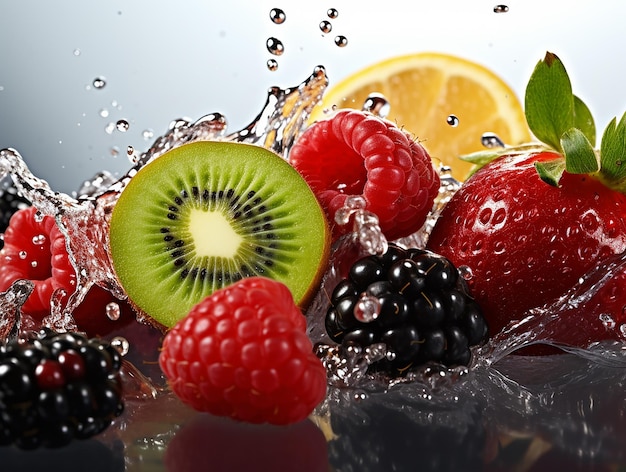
[243,352]
[424,313]
[356,153]
[10,202]
[34,249]
[529,225]
[55,387]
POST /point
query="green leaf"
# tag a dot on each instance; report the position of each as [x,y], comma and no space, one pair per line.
[613,152]
[482,157]
[551,171]
[583,120]
[580,157]
[549,102]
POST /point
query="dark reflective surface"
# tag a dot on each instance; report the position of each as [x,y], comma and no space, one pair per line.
[525,414]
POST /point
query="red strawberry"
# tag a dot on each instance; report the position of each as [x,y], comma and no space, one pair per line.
[243,352]
[34,249]
[530,225]
[356,153]
[527,242]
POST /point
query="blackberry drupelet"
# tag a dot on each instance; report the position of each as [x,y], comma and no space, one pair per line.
[55,387]
[10,202]
[424,311]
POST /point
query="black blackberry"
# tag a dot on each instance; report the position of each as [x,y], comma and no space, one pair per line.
[10,202]
[423,310]
[55,387]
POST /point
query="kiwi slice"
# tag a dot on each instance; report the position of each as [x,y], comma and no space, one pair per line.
[207,214]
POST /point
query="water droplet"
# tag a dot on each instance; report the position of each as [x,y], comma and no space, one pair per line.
[77,52]
[466,272]
[275,46]
[39,216]
[277,16]
[113,311]
[122,126]
[491,140]
[109,128]
[22,255]
[39,240]
[133,157]
[103,113]
[452,120]
[622,330]
[272,64]
[341,41]
[147,134]
[114,151]
[332,13]
[121,344]
[360,396]
[607,321]
[99,82]
[501,9]
[34,264]
[367,309]
[326,26]
[377,104]
[1,88]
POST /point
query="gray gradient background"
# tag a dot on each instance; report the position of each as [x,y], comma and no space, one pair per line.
[165,60]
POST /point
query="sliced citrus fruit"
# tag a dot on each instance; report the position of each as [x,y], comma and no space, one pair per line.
[447,102]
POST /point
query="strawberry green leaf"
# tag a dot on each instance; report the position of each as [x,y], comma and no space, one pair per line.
[583,120]
[482,157]
[549,102]
[551,171]
[613,153]
[580,157]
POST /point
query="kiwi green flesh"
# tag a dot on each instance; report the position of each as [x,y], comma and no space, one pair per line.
[207,214]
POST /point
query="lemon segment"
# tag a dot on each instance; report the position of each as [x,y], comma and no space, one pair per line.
[427,92]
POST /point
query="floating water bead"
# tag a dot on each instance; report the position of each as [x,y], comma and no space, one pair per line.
[122,126]
[113,311]
[99,83]
[277,16]
[326,26]
[491,140]
[275,46]
[452,120]
[272,64]
[377,104]
[341,41]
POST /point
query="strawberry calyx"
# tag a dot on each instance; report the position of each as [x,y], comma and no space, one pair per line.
[563,123]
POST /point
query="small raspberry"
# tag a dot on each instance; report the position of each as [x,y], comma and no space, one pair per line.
[356,153]
[34,249]
[243,352]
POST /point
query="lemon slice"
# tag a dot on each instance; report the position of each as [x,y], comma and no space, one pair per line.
[448,103]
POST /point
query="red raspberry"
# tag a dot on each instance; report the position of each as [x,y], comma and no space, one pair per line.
[357,153]
[34,249]
[243,352]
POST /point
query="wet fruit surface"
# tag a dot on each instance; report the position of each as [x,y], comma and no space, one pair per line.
[524,242]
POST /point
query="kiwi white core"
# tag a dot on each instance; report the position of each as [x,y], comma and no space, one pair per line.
[213,234]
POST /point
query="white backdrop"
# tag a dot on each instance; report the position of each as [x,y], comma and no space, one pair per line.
[164,60]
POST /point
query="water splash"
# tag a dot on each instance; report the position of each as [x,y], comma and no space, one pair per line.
[84,219]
